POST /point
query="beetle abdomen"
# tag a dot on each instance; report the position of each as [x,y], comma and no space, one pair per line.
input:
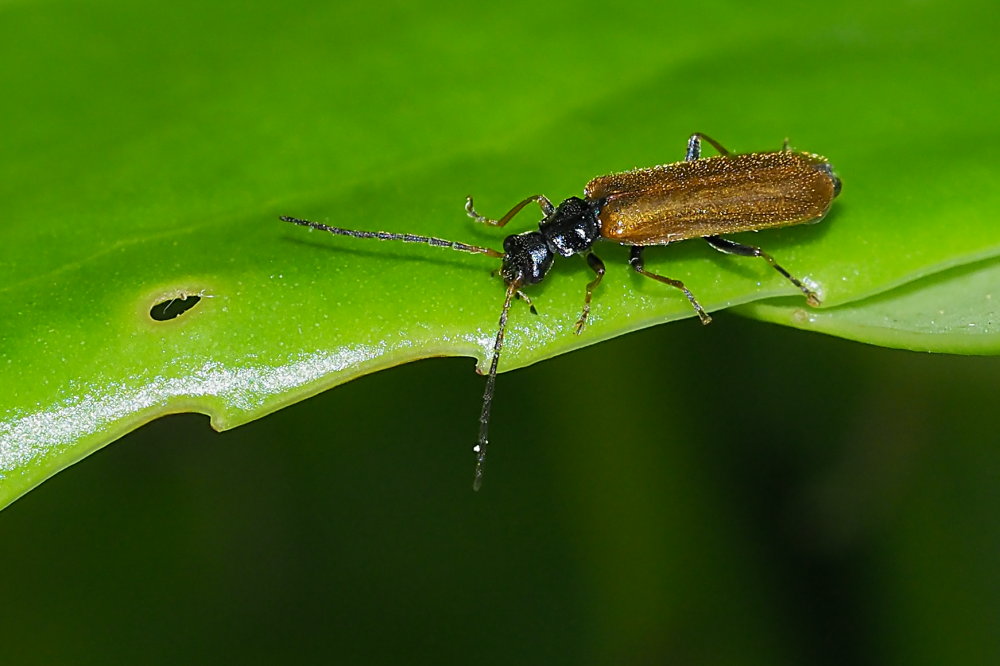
[715,195]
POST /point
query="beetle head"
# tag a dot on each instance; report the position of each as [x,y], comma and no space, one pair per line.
[527,258]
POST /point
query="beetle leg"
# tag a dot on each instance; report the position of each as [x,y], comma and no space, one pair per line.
[598,267]
[636,262]
[694,146]
[543,203]
[731,247]
[524,297]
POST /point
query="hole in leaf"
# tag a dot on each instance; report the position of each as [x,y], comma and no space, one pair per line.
[174,307]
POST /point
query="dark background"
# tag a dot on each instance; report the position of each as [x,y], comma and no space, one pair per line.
[738,493]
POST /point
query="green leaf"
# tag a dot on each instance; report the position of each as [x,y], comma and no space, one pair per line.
[152,163]
[951,311]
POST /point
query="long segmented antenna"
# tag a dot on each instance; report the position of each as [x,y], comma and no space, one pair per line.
[385,235]
[491,380]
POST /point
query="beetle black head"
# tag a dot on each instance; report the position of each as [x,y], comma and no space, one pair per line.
[527,258]
[572,227]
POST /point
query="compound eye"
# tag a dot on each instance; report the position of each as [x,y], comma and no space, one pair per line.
[510,246]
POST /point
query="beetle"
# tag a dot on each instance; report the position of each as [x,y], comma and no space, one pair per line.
[697,198]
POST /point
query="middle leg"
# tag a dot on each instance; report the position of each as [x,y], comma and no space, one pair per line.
[638,265]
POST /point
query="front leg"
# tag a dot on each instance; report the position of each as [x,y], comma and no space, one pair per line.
[543,203]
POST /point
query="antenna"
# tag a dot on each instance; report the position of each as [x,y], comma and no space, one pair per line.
[385,235]
[491,380]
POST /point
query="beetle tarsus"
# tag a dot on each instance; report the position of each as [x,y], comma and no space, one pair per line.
[524,297]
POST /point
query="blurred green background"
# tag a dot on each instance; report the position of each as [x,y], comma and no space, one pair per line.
[741,493]
[735,494]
